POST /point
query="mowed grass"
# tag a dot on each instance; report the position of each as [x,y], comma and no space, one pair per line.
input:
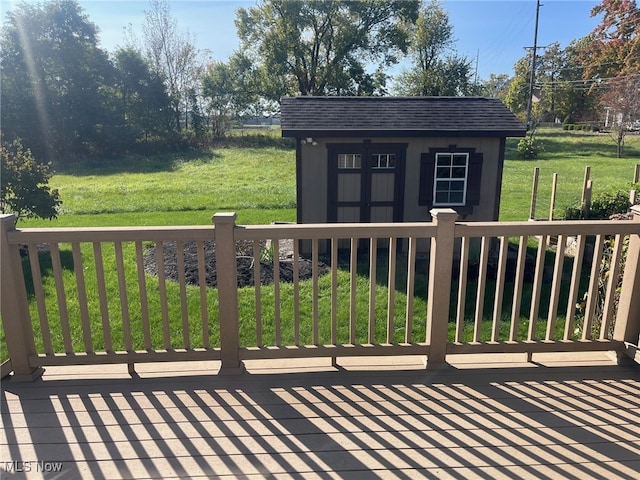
[258,183]
[566,153]
[255,177]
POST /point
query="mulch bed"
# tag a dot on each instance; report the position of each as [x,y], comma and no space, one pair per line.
[244,260]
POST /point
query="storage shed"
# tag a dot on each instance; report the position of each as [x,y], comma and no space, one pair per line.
[392,159]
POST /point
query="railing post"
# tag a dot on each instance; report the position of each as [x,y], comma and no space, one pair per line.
[227,275]
[627,328]
[14,306]
[440,269]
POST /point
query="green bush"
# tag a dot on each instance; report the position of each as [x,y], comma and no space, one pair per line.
[573,212]
[603,206]
[587,127]
[25,189]
[607,204]
[529,148]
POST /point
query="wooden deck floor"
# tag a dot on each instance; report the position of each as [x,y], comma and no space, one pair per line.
[559,417]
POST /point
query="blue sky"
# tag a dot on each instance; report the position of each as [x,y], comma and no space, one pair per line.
[494,32]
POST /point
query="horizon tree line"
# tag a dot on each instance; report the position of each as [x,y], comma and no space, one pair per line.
[65,98]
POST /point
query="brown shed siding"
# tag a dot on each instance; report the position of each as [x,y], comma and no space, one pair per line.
[314,188]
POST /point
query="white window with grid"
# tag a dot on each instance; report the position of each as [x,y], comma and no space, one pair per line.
[450,179]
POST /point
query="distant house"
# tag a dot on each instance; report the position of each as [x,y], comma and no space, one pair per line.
[392,159]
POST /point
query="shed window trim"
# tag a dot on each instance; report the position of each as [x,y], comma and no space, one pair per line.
[450,179]
[426,195]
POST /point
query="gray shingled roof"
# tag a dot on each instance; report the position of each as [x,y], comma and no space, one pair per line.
[398,116]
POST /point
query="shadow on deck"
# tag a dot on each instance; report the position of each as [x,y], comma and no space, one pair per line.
[556,418]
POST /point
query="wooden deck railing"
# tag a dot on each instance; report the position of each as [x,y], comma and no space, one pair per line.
[84,296]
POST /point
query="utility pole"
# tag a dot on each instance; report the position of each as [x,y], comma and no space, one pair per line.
[533,66]
[475,81]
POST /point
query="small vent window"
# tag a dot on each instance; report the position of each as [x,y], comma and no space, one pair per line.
[349,161]
[383,160]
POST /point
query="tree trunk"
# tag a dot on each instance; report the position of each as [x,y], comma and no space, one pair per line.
[620,141]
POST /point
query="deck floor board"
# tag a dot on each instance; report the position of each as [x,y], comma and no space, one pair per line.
[563,416]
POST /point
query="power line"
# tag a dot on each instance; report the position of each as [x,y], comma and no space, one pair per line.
[509,33]
[533,66]
[590,80]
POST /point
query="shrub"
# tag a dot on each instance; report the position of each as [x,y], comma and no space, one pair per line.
[529,148]
[607,204]
[603,206]
[25,189]
[573,212]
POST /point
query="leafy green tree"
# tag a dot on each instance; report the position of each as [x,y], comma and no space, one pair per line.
[143,101]
[198,125]
[573,99]
[559,90]
[549,78]
[24,189]
[53,77]
[448,77]
[496,86]
[231,89]
[516,97]
[319,47]
[220,91]
[437,69]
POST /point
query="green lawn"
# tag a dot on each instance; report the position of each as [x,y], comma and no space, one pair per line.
[567,154]
[255,177]
[258,182]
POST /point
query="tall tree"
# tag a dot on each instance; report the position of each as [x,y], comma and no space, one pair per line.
[230,90]
[517,94]
[615,46]
[495,86]
[321,47]
[548,76]
[437,69]
[560,91]
[572,98]
[432,36]
[451,76]
[143,101]
[621,99]
[173,55]
[53,76]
